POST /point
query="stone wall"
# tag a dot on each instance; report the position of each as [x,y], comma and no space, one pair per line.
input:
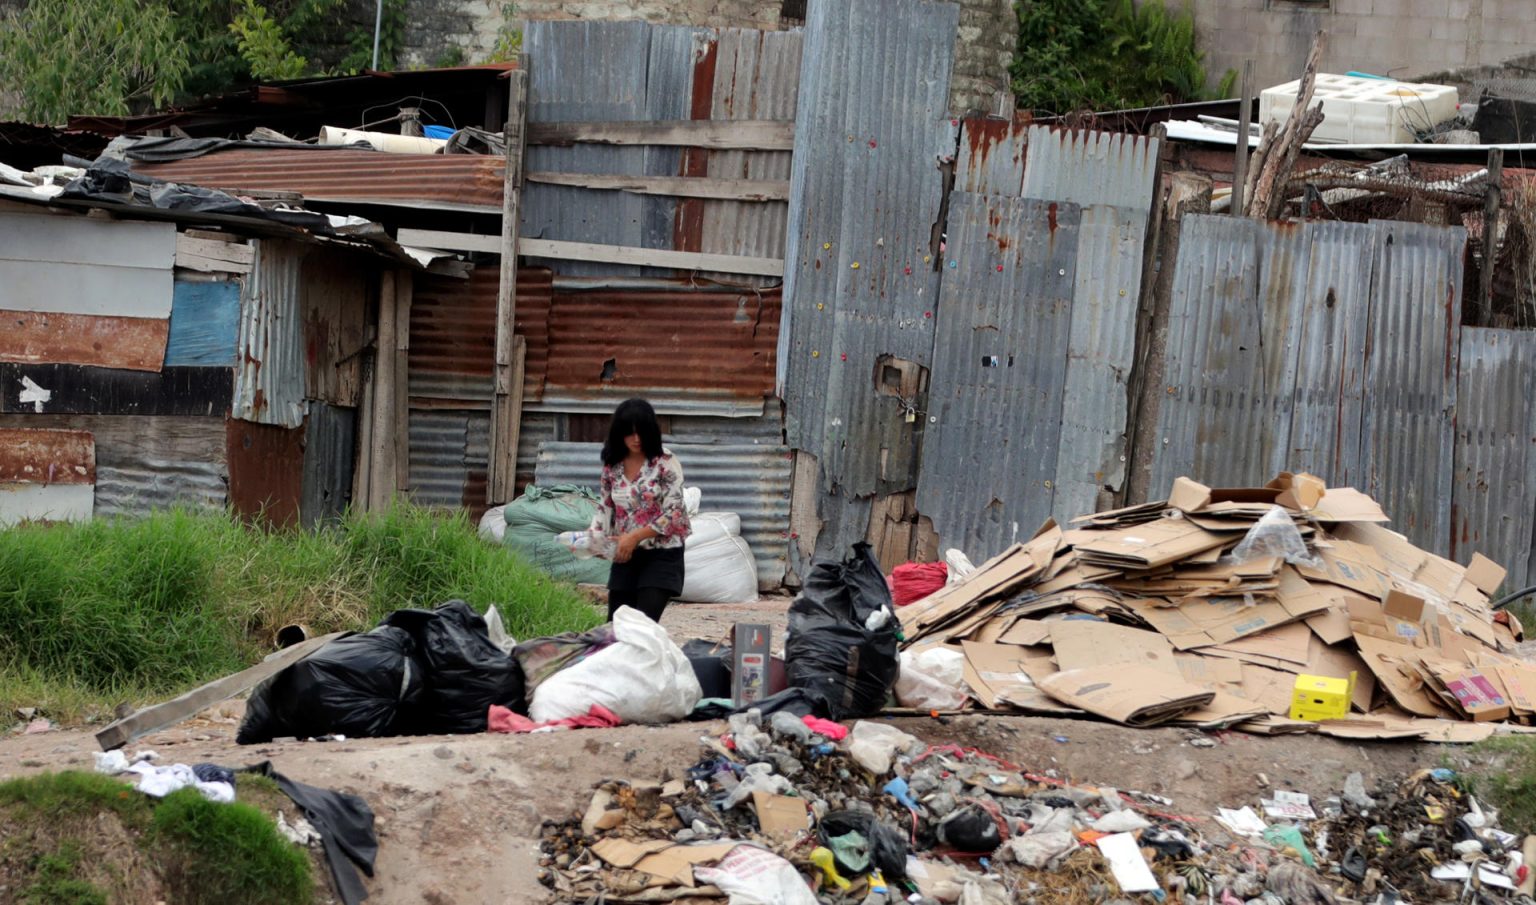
[1400,38]
[467,30]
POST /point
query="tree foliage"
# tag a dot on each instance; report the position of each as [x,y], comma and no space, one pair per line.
[263,45]
[90,57]
[1106,55]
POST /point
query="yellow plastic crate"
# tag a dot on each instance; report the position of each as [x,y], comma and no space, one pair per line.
[1322,698]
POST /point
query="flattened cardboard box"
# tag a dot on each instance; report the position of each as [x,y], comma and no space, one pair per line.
[1150,545]
[1132,695]
[1000,675]
[1209,622]
[1082,644]
[1387,659]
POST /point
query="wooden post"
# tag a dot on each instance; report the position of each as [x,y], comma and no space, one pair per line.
[1268,198]
[381,470]
[405,282]
[1190,193]
[506,401]
[1492,200]
[1244,123]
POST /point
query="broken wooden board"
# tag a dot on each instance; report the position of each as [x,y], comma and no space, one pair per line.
[169,713]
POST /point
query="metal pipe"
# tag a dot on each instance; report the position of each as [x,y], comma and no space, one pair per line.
[378,26]
[1511,598]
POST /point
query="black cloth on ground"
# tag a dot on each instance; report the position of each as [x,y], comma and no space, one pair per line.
[345,825]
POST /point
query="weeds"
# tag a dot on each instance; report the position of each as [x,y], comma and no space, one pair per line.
[227,854]
[1509,780]
[111,611]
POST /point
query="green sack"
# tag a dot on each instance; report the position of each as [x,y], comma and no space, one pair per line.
[539,515]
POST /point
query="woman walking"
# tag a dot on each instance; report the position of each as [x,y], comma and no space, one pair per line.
[641,512]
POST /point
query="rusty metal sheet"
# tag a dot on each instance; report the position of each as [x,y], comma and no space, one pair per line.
[1410,378]
[1000,360]
[148,462]
[270,375]
[991,156]
[336,292]
[460,182]
[266,471]
[330,452]
[670,346]
[131,343]
[1087,167]
[30,456]
[448,459]
[1491,510]
[453,334]
[871,131]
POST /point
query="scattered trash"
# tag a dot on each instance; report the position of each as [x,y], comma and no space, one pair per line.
[300,832]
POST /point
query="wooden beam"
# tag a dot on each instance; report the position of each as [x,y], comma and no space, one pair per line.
[650,257]
[1483,316]
[382,448]
[742,134]
[449,241]
[404,292]
[506,393]
[675,186]
[199,699]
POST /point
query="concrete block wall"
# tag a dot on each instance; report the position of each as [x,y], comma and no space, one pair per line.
[1400,38]
[984,44]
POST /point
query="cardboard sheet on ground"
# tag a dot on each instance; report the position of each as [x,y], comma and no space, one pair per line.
[671,863]
[999,676]
[1386,660]
[1269,687]
[779,816]
[1225,709]
[1209,671]
[1148,546]
[1288,644]
[1350,565]
[1276,725]
[1133,695]
[1207,622]
[1083,643]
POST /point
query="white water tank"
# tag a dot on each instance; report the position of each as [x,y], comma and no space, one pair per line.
[1365,111]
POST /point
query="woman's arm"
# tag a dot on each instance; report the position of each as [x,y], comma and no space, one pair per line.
[673,521]
[602,522]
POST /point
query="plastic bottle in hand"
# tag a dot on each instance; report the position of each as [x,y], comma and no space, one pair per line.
[585,544]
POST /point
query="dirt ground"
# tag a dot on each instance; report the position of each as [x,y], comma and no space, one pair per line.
[458,816]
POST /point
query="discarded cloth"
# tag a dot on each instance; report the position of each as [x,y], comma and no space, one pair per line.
[827,729]
[162,781]
[345,824]
[500,719]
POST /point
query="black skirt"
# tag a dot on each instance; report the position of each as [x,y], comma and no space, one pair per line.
[658,569]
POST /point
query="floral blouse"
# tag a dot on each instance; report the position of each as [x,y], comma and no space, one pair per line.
[654,499]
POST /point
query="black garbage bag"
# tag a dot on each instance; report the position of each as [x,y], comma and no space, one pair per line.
[712,666]
[829,652]
[886,846]
[357,685]
[464,672]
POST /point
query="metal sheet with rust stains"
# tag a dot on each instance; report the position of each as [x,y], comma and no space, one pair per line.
[453,334]
[266,471]
[131,343]
[687,351]
[337,290]
[270,372]
[460,182]
[32,456]
[1000,360]
[1495,461]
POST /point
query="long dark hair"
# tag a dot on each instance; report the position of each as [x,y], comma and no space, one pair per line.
[633,416]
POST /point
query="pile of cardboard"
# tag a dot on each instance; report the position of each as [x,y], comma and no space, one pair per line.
[1161,614]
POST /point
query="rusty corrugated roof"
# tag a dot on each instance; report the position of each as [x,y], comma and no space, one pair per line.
[467,182]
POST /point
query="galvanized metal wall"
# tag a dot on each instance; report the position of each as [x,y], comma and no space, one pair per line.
[270,371]
[749,480]
[1495,474]
[871,135]
[1324,347]
[995,404]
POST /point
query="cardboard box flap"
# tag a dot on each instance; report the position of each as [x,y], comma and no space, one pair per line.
[1346,504]
[1224,710]
[1298,492]
[1084,644]
[1189,495]
[1209,672]
[1000,675]
[1132,695]
[1288,642]
[1150,545]
[1396,669]
[1350,565]
[1485,574]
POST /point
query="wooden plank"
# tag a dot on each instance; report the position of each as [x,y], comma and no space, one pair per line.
[449,241]
[201,264]
[33,456]
[743,134]
[76,390]
[41,337]
[650,257]
[171,712]
[677,186]
[382,449]
[511,350]
[212,256]
[402,428]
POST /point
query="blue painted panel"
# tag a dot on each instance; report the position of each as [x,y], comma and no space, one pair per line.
[205,323]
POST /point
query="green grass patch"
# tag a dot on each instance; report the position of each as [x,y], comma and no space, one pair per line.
[1503,774]
[84,839]
[133,610]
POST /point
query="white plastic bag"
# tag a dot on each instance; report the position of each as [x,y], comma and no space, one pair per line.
[643,678]
[709,527]
[932,680]
[493,525]
[1274,535]
[959,566]
[691,497]
[721,571]
[754,876]
[874,745]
